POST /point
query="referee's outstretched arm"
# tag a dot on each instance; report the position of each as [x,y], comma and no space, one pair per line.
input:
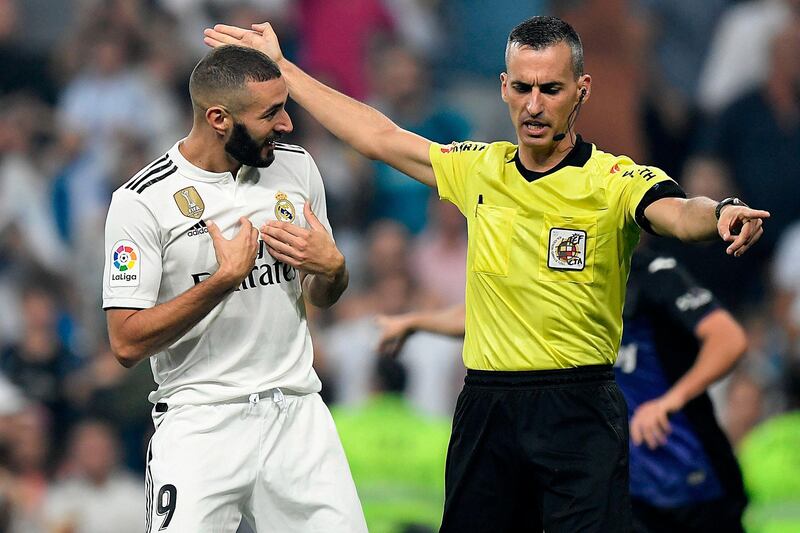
[364,128]
[702,219]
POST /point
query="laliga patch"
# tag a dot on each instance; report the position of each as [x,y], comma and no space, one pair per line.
[125,264]
[567,249]
[284,209]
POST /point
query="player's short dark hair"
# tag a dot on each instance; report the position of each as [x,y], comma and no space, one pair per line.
[542,32]
[390,374]
[226,70]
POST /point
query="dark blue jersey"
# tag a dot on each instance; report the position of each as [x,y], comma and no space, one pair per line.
[662,309]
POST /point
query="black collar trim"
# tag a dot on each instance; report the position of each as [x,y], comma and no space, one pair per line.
[577,157]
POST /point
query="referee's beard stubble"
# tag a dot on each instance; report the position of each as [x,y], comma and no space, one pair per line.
[243,148]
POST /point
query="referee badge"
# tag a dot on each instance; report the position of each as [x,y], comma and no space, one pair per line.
[567,249]
[284,210]
[189,202]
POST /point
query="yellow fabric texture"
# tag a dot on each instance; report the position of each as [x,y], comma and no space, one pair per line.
[548,260]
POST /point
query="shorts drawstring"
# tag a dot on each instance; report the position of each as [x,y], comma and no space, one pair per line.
[253,401]
[279,399]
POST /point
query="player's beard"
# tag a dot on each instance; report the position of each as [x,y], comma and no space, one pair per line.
[243,148]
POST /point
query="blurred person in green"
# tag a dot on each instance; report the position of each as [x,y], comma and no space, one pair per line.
[396,456]
[770,460]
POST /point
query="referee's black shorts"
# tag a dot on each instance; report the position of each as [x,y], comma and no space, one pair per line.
[539,450]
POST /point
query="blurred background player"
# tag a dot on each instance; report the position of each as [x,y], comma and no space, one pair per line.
[396,454]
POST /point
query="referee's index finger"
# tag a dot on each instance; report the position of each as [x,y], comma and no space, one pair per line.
[756,213]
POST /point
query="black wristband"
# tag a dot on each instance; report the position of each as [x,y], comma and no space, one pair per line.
[727,201]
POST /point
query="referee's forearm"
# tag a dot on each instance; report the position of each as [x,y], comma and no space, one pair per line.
[354,122]
[697,221]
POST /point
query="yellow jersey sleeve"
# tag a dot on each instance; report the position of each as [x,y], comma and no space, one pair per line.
[451,165]
[637,186]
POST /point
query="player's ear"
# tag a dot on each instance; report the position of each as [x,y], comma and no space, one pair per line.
[219,119]
[504,86]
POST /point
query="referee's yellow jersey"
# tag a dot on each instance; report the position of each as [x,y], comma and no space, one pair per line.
[549,253]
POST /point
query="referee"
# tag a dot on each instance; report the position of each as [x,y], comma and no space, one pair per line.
[539,436]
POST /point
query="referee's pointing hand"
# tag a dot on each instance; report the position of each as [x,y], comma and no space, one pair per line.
[741,226]
[311,250]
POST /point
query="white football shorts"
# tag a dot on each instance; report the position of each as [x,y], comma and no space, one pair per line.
[274,459]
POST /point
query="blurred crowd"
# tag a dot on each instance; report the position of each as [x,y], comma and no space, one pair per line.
[93,90]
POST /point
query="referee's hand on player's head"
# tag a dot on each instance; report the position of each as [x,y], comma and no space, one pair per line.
[260,37]
[235,256]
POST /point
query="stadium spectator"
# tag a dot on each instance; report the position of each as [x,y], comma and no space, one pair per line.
[735,66]
[755,139]
[439,254]
[678,34]
[786,280]
[349,343]
[402,91]
[94,494]
[40,364]
[338,52]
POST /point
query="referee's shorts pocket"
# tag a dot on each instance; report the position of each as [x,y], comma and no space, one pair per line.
[494,229]
[616,410]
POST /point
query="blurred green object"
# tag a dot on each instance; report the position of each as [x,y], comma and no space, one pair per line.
[770,461]
[397,459]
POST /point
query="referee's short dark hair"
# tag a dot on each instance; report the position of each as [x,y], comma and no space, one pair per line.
[541,32]
[225,71]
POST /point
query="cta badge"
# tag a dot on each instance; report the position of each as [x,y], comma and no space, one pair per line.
[125,264]
[567,249]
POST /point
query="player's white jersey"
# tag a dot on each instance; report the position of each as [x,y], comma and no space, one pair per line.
[158,246]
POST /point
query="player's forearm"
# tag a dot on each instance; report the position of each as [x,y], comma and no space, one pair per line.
[447,322]
[146,332]
[723,342]
[355,123]
[324,290]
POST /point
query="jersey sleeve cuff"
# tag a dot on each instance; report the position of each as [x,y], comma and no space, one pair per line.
[662,189]
[434,156]
[126,303]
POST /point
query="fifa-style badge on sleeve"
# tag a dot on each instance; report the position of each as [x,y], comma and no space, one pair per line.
[125,264]
[567,249]
[284,210]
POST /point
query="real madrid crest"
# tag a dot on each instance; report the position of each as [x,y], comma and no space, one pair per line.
[284,210]
[189,202]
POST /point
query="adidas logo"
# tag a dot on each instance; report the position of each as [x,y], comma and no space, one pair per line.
[197,229]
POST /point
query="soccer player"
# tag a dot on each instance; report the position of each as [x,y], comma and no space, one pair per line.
[188,284]
[540,433]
